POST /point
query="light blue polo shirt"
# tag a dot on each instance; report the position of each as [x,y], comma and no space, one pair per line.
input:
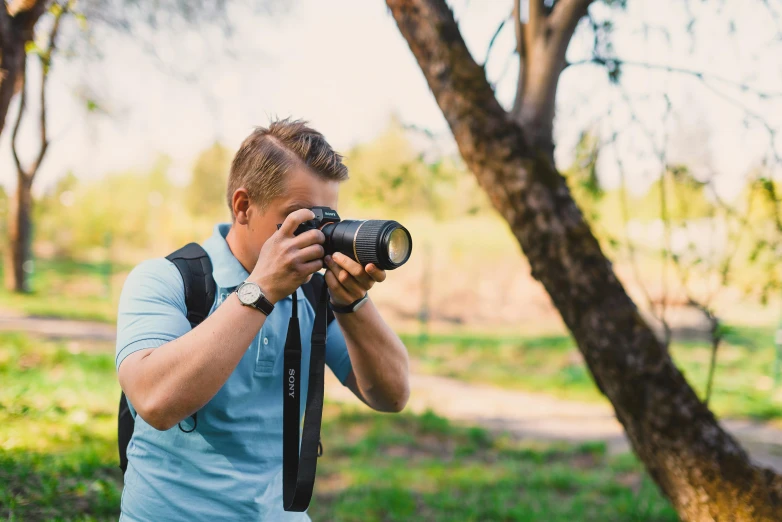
[230,467]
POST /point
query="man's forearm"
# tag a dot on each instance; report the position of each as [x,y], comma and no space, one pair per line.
[169,383]
[379,359]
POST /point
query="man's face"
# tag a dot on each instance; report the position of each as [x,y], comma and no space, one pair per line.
[303,190]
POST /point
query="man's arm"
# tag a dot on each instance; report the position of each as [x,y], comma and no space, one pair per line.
[380,362]
[171,382]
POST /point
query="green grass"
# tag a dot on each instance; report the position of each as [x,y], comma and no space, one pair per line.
[70,290]
[58,457]
[406,467]
[743,384]
[546,364]
[57,432]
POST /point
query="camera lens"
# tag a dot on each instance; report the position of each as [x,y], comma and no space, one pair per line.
[398,246]
[386,244]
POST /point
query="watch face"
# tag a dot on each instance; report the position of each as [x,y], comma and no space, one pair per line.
[249,293]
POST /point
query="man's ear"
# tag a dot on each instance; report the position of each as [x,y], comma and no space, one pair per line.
[240,204]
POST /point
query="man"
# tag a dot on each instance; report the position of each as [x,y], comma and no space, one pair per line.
[229,368]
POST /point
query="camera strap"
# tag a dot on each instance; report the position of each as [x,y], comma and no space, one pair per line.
[298,469]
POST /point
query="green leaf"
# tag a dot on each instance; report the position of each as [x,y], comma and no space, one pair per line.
[82,20]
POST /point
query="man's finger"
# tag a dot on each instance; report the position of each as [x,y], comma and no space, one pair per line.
[295,219]
[352,284]
[311,252]
[355,269]
[342,290]
[310,237]
[312,266]
[378,274]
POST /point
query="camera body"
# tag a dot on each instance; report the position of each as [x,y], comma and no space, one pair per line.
[323,216]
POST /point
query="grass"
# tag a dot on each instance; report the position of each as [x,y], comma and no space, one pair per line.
[70,290]
[550,364]
[58,457]
[743,384]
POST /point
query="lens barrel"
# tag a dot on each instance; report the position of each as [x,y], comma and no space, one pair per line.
[385,243]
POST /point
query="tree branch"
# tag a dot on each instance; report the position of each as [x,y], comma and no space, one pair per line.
[603,61]
[493,38]
[566,15]
[537,17]
[518,29]
[45,58]
[46,64]
[22,102]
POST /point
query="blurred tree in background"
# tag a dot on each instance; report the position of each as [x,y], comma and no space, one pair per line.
[205,195]
[394,172]
[28,30]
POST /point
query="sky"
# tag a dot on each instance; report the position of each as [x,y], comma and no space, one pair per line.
[344,66]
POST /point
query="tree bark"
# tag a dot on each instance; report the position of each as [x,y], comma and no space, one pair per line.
[697,465]
[19,236]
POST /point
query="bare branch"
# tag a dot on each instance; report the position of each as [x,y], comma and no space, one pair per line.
[45,58]
[566,15]
[537,16]
[603,61]
[17,124]
[494,37]
[518,29]
[772,133]
[46,64]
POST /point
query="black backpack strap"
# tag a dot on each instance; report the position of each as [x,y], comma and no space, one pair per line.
[125,425]
[195,267]
[312,289]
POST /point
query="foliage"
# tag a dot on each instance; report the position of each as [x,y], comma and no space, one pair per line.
[205,195]
[118,216]
[58,457]
[391,174]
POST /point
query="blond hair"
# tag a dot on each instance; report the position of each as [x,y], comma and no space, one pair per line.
[269,153]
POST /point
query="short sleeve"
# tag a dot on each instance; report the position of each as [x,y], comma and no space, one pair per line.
[152,308]
[337,357]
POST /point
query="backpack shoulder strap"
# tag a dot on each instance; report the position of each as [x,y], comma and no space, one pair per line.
[194,265]
[312,290]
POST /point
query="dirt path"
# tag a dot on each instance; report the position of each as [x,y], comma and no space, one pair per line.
[518,413]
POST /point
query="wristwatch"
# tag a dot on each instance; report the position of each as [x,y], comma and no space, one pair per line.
[352,307]
[250,294]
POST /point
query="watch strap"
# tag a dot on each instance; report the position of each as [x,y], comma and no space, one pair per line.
[350,308]
[263,305]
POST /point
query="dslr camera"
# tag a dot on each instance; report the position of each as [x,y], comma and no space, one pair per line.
[385,243]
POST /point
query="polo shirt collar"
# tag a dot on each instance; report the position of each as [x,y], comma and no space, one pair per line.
[227,271]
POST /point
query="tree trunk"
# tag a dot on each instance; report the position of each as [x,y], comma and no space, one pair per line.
[11,63]
[17,23]
[698,466]
[19,236]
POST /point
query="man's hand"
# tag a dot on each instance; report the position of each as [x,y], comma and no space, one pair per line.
[286,261]
[348,281]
